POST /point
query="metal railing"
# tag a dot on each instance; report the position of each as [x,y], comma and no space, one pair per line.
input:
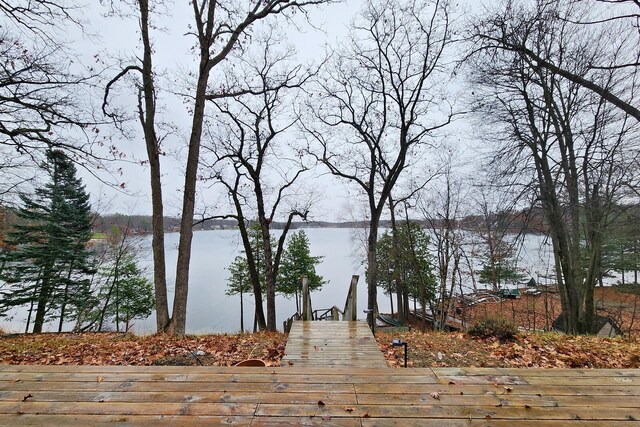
[334,313]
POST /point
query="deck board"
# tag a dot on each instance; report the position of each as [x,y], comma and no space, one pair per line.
[332,344]
[282,396]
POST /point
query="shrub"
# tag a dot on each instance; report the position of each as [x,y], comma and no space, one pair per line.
[494,327]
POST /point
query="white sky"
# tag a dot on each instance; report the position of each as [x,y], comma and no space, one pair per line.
[118,38]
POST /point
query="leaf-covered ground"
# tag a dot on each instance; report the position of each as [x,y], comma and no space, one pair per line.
[537,312]
[528,350]
[120,349]
[547,350]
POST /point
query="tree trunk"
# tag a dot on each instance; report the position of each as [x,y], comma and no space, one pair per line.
[26,328]
[400,283]
[151,142]
[115,283]
[253,264]
[372,269]
[104,308]
[41,308]
[178,320]
[255,321]
[241,311]
[269,273]
[65,296]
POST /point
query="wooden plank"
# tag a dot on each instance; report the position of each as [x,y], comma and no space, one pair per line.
[269,377]
[509,399]
[120,420]
[332,344]
[313,396]
[440,411]
[179,387]
[484,379]
[538,372]
[475,389]
[127,408]
[586,381]
[408,422]
[305,421]
[165,370]
[178,397]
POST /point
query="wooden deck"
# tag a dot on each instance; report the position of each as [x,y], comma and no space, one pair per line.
[185,396]
[332,344]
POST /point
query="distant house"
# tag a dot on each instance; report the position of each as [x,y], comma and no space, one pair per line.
[509,293]
[605,326]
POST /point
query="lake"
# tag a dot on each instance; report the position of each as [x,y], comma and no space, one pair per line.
[210,310]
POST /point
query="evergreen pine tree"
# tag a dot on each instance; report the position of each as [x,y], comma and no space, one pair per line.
[124,294]
[48,264]
[297,262]
[412,264]
[239,283]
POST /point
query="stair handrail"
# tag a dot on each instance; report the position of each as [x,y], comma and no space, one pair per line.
[307,311]
[350,312]
[324,313]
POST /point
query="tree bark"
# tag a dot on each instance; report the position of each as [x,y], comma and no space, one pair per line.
[372,268]
[241,311]
[147,119]
[41,308]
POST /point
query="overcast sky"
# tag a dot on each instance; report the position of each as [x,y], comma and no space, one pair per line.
[118,38]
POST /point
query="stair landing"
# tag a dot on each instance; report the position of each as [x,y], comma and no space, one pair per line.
[326,344]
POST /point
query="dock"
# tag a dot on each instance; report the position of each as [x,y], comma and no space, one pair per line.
[332,344]
[334,396]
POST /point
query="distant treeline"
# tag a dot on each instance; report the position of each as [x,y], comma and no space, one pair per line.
[527,221]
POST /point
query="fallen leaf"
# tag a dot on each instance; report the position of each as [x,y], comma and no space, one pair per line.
[320,403]
[100,379]
[366,415]
[326,417]
[508,389]
[435,395]
[290,363]
[24,399]
[349,409]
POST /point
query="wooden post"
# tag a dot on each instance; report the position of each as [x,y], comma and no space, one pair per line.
[306,300]
[335,314]
[351,305]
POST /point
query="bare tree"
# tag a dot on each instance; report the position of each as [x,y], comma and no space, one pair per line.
[443,211]
[253,156]
[520,38]
[495,229]
[565,144]
[43,92]
[146,108]
[218,30]
[381,102]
